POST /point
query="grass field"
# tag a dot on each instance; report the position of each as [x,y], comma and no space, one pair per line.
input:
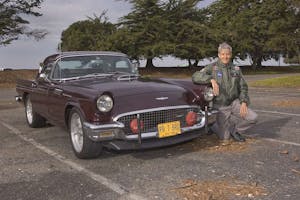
[8,78]
[286,81]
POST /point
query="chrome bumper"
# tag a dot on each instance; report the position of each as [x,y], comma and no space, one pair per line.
[114,131]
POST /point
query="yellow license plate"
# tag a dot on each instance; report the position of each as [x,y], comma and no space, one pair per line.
[168,129]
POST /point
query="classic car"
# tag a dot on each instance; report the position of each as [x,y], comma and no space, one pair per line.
[101,99]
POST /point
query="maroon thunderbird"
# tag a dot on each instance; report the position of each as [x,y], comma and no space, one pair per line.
[103,101]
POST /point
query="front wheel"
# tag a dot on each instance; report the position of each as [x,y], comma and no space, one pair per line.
[82,146]
[33,119]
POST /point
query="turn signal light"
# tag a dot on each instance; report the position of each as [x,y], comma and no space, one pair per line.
[191,118]
[134,125]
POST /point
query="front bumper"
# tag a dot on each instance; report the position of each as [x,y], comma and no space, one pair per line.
[113,133]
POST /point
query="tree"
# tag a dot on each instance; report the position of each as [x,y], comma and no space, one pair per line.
[123,40]
[190,33]
[255,28]
[13,24]
[147,24]
[90,35]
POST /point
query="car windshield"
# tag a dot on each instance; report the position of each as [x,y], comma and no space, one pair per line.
[92,65]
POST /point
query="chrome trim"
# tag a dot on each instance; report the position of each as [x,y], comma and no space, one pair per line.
[161,98]
[116,146]
[94,131]
[128,77]
[18,98]
[152,109]
[155,134]
[66,95]
[103,126]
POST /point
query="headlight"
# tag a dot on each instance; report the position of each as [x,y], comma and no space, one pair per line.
[105,103]
[208,94]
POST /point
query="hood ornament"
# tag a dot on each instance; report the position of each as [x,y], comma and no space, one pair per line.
[161,98]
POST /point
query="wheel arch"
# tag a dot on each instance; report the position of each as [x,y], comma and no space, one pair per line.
[69,106]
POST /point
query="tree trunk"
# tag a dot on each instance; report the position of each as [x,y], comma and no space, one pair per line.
[149,63]
[257,59]
[190,63]
[196,63]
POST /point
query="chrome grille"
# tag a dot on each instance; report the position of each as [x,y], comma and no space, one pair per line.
[151,119]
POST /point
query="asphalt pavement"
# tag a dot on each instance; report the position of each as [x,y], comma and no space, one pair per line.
[39,163]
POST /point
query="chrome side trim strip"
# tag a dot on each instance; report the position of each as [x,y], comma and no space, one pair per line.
[104,126]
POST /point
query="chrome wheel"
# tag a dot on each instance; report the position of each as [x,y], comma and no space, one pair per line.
[29,113]
[76,132]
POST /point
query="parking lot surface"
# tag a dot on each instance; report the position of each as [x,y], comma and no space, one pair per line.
[39,163]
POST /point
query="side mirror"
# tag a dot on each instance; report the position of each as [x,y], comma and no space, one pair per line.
[136,66]
[43,77]
[40,69]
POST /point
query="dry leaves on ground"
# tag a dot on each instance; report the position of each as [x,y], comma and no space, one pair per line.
[286,103]
[219,189]
[212,143]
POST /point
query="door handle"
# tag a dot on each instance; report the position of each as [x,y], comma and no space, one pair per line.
[57,91]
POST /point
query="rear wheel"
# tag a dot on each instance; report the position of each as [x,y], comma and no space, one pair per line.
[83,147]
[33,119]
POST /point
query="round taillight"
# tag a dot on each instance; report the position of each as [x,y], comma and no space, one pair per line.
[134,125]
[191,118]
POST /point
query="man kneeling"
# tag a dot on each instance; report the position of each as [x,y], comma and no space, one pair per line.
[231,96]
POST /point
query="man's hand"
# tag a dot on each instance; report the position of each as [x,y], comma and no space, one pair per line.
[243,110]
[215,87]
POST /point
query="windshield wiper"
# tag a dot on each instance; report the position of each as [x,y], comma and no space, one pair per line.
[94,75]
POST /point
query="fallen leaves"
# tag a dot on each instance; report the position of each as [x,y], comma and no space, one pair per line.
[286,103]
[212,143]
[219,189]
[295,171]
[284,152]
[296,158]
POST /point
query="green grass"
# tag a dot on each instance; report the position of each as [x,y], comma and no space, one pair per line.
[286,81]
[271,70]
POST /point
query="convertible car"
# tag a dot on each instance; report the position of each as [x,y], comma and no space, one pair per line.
[101,99]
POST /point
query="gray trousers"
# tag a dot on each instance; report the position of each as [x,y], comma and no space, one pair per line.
[229,120]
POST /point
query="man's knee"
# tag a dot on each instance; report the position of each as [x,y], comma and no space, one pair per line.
[252,117]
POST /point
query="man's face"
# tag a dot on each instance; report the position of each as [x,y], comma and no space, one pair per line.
[225,56]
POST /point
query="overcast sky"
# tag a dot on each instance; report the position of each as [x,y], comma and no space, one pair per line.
[58,15]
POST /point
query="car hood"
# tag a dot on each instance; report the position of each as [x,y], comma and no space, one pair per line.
[125,87]
[136,94]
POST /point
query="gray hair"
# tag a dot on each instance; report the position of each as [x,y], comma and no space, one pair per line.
[224,45]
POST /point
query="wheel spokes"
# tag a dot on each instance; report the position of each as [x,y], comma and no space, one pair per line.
[76,132]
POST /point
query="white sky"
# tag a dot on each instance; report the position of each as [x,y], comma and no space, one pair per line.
[58,15]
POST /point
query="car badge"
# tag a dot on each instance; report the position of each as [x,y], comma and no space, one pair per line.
[161,98]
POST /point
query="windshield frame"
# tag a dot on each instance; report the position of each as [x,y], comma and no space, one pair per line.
[131,67]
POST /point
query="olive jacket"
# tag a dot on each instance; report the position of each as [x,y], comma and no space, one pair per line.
[229,77]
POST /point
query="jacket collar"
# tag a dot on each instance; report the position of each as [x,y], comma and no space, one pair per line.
[220,64]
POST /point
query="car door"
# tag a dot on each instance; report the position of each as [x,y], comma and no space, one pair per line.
[39,95]
[56,98]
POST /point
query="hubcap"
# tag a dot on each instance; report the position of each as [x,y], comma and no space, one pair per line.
[76,132]
[29,111]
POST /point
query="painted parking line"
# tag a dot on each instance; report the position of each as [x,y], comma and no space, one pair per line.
[281,141]
[117,188]
[277,112]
